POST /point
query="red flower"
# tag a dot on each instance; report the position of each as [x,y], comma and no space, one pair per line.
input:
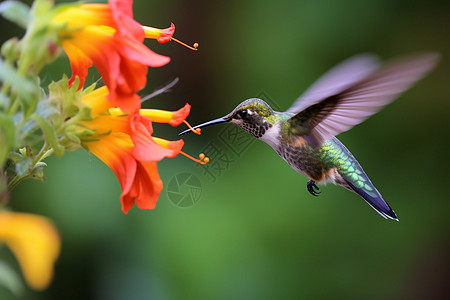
[107,36]
[125,143]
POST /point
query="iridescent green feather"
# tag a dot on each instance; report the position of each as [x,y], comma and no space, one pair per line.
[337,155]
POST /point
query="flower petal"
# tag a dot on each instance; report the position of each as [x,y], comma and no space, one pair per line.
[116,152]
[139,180]
[146,187]
[174,118]
[161,35]
[175,146]
[36,244]
[85,15]
[145,147]
[97,100]
[114,44]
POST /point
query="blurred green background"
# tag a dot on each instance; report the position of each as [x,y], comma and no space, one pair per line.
[255,232]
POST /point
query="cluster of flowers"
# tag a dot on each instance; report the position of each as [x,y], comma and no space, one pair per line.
[107,121]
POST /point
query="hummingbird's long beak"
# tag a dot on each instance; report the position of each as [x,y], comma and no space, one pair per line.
[216,121]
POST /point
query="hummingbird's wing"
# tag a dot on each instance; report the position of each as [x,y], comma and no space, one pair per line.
[339,78]
[324,118]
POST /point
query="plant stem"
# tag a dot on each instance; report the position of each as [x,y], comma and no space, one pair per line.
[13,105]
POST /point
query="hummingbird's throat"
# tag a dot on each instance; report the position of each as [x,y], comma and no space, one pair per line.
[256,130]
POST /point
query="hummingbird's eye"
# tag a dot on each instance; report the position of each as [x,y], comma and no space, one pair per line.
[243,113]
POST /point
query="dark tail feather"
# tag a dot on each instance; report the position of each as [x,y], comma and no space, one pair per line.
[358,182]
[374,199]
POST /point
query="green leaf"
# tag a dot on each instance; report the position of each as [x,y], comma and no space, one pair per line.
[41,7]
[85,114]
[4,193]
[7,136]
[23,151]
[4,101]
[15,157]
[8,129]
[10,279]
[9,74]
[38,171]
[50,134]
[45,109]
[26,89]
[23,167]
[89,88]
[11,49]
[39,46]
[67,97]
[16,12]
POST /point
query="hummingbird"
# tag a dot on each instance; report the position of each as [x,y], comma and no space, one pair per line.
[304,135]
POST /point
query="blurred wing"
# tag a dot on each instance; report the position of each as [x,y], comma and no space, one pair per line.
[336,80]
[323,120]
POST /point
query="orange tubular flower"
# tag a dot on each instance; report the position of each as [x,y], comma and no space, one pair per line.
[107,36]
[125,143]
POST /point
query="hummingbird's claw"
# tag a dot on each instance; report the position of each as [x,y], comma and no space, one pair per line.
[313,189]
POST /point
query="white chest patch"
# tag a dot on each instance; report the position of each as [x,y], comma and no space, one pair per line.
[272,136]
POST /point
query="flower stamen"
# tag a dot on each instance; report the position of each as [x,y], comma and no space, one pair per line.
[203,159]
[193,47]
[196,130]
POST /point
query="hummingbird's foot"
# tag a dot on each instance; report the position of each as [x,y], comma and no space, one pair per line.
[313,189]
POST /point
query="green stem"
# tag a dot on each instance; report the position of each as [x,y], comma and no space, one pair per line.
[16,181]
[5,88]
[7,84]
[13,105]
[45,152]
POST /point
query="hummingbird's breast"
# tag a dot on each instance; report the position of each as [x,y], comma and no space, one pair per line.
[326,163]
[295,151]
[321,164]
[303,158]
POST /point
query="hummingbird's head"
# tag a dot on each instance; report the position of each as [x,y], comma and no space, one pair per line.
[253,115]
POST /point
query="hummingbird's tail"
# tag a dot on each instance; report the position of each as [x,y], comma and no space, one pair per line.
[357,181]
[373,197]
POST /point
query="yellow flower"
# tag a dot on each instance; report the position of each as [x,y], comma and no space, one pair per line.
[35,243]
